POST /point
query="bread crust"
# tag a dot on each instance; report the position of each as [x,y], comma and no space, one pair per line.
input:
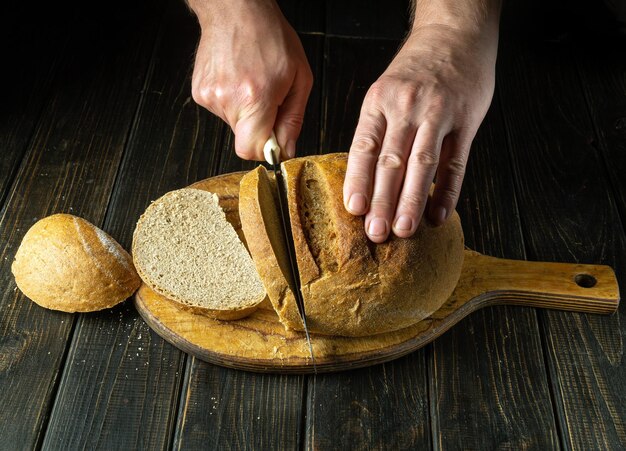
[351,286]
[66,263]
[259,218]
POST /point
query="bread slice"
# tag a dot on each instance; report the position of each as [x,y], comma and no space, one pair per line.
[350,286]
[66,263]
[261,224]
[185,249]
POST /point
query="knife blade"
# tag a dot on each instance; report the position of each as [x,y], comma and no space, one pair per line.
[271,151]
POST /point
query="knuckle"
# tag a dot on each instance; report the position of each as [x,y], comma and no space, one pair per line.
[208,95]
[201,94]
[250,91]
[449,193]
[381,204]
[390,161]
[365,144]
[376,93]
[293,120]
[356,180]
[449,190]
[407,96]
[456,167]
[413,201]
[425,158]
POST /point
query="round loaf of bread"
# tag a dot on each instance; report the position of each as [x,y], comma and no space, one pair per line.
[66,263]
[350,286]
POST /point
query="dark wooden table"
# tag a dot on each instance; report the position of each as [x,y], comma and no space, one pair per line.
[97,120]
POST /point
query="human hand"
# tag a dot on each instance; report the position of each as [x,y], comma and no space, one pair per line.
[419,118]
[252,72]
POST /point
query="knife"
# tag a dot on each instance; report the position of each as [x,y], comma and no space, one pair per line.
[271,152]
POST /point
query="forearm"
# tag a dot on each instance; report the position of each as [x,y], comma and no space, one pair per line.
[471,16]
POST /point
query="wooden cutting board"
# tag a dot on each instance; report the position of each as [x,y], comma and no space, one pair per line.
[260,342]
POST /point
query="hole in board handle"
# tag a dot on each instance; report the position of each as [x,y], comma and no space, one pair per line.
[585,280]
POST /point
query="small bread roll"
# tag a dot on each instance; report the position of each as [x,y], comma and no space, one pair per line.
[66,263]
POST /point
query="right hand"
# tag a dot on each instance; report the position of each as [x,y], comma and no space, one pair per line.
[252,72]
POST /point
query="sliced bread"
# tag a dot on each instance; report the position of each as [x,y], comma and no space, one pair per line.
[261,224]
[185,249]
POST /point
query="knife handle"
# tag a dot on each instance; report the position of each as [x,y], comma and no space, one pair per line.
[271,145]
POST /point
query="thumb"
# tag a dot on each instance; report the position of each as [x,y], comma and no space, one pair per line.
[252,131]
[291,113]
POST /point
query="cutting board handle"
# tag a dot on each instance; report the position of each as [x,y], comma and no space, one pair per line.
[561,286]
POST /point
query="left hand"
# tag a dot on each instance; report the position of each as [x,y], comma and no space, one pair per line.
[417,120]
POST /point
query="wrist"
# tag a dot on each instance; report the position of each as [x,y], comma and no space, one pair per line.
[210,12]
[474,17]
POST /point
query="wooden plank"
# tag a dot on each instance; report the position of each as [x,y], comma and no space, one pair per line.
[121,379]
[568,214]
[602,66]
[380,407]
[70,167]
[384,406]
[231,409]
[224,408]
[368,19]
[27,78]
[488,372]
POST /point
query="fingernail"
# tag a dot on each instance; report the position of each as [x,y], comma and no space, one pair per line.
[290,148]
[377,227]
[404,223]
[440,215]
[357,203]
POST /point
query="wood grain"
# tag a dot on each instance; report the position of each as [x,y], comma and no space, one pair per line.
[229,409]
[29,79]
[121,385]
[488,373]
[568,214]
[602,67]
[260,342]
[70,167]
[380,407]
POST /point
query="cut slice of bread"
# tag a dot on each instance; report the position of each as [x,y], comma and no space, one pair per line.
[261,224]
[185,249]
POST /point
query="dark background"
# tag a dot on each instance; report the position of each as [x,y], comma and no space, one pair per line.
[96,119]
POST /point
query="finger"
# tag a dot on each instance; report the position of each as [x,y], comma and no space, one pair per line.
[421,169]
[291,113]
[390,169]
[450,174]
[253,129]
[368,137]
